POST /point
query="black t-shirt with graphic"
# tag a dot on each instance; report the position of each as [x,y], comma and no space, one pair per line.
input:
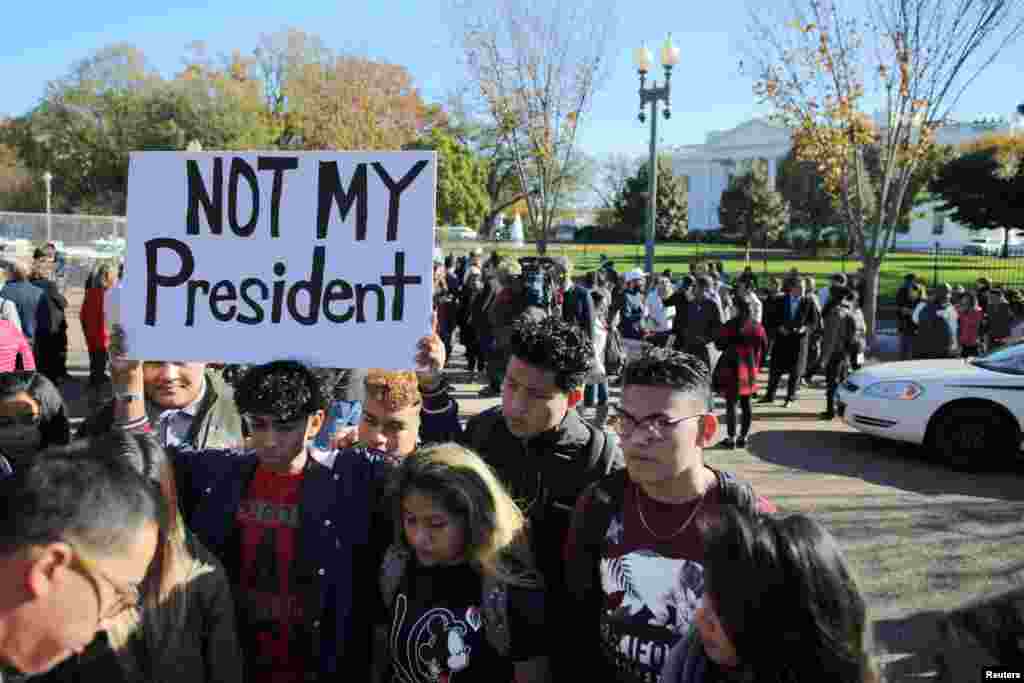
[436,631]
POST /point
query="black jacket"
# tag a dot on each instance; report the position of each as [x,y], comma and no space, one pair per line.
[545,474]
[32,304]
[55,304]
[344,529]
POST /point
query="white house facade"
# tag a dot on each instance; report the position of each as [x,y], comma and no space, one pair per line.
[726,153]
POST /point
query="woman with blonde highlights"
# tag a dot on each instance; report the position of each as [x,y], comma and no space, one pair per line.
[462,592]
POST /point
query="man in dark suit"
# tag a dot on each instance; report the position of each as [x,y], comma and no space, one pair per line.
[795,316]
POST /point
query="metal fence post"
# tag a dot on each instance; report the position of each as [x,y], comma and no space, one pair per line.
[935,267]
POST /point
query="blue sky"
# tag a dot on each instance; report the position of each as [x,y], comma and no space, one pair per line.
[43,39]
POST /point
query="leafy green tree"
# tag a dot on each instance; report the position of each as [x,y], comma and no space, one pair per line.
[751,208]
[810,204]
[461,179]
[984,188]
[671,204]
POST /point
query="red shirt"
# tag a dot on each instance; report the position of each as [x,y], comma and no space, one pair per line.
[970,322]
[13,342]
[269,522]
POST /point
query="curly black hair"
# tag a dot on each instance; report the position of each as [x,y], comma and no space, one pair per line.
[555,345]
[669,368]
[286,390]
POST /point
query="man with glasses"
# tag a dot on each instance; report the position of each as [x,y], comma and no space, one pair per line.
[634,555]
[188,404]
[77,536]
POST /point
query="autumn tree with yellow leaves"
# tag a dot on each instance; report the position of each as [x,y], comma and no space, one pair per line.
[536,65]
[823,65]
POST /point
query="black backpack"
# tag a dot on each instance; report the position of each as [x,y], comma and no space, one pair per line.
[606,499]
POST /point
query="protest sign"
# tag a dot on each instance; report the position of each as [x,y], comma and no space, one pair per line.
[323,257]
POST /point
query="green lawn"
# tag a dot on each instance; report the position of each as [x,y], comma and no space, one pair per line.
[954,269]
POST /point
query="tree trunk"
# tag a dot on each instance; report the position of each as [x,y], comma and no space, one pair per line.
[872,266]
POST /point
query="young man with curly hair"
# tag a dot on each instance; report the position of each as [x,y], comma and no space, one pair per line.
[539,445]
[298,538]
[634,558]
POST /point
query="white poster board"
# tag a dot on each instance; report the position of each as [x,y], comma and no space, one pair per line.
[322,257]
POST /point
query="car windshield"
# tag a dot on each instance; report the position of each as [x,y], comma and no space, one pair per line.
[1009,359]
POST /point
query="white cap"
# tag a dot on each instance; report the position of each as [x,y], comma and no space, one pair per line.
[635,274]
[438,255]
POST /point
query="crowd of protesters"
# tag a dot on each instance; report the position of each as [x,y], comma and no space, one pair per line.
[278,523]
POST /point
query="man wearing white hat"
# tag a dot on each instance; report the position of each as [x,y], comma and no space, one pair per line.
[632,314]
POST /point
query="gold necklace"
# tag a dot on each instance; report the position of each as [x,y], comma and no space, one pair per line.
[696,509]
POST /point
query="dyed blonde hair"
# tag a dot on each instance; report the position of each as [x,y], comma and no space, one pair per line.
[396,389]
[464,485]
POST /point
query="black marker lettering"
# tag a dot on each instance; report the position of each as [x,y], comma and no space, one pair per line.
[361,291]
[396,190]
[276,309]
[193,286]
[257,317]
[330,297]
[155,280]
[330,192]
[278,165]
[216,297]
[314,286]
[240,168]
[197,193]
[399,280]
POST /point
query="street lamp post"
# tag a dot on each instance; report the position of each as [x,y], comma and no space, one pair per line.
[642,58]
[48,179]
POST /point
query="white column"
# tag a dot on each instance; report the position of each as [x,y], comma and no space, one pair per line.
[708,197]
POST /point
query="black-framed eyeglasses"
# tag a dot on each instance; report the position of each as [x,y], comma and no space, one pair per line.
[128,595]
[624,424]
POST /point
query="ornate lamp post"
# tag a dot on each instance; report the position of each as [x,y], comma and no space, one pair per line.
[642,58]
[48,179]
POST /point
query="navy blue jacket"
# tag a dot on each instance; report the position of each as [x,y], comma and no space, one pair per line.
[32,304]
[343,532]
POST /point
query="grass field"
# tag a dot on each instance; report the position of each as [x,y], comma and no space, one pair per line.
[964,270]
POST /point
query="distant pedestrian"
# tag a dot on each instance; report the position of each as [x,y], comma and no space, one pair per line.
[937,323]
[742,342]
[970,325]
[94,323]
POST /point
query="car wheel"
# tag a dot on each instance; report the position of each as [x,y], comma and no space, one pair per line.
[968,436]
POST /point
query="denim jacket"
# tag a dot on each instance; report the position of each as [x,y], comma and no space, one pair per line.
[344,530]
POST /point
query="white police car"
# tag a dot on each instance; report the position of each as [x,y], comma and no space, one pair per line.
[971,413]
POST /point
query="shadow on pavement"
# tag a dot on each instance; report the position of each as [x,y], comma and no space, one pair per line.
[902,466]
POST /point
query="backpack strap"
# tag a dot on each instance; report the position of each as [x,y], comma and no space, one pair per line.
[494,610]
[605,500]
[734,492]
[392,571]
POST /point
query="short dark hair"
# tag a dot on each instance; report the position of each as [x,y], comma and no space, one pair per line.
[53,415]
[283,389]
[554,345]
[680,371]
[839,278]
[779,583]
[82,493]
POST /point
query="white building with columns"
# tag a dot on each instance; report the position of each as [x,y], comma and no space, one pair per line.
[726,153]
